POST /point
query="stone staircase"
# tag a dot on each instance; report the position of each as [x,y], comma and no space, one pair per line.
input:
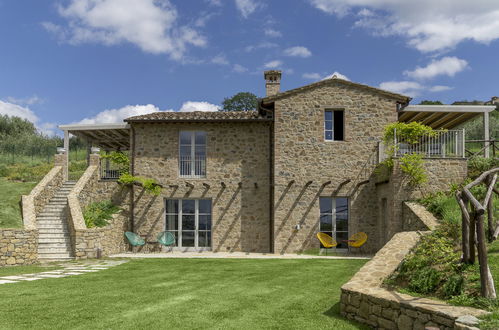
[54,241]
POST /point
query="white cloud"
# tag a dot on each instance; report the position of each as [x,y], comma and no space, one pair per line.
[25,101]
[217,3]
[239,68]
[262,45]
[117,115]
[272,64]
[11,109]
[247,7]
[428,25]
[336,74]
[448,66]
[298,51]
[410,88]
[190,106]
[440,88]
[312,76]
[220,59]
[151,25]
[272,33]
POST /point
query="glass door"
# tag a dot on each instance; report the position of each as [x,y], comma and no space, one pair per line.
[189,220]
[334,219]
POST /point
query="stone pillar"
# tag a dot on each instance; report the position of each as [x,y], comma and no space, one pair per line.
[94,160]
[61,160]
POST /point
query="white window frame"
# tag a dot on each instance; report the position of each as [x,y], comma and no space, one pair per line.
[332,125]
[192,146]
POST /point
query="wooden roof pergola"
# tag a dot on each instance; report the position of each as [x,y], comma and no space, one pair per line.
[443,116]
[448,117]
[105,136]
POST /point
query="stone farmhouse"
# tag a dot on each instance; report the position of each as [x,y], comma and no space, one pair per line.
[259,181]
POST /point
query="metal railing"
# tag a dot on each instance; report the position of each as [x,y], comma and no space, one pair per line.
[109,171]
[192,168]
[437,144]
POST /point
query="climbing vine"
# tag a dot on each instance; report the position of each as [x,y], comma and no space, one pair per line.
[411,164]
[122,160]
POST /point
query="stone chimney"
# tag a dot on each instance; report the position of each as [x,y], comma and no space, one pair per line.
[272,82]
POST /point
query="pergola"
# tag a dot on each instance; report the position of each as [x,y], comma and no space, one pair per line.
[106,136]
[447,116]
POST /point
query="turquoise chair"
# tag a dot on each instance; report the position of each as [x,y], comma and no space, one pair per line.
[167,239]
[134,239]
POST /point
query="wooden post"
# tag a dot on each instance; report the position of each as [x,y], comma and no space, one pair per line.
[465,227]
[486,287]
[471,237]
[489,200]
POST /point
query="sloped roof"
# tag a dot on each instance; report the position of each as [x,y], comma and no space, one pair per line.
[196,116]
[398,97]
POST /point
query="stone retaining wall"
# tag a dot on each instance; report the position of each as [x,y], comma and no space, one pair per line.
[18,247]
[365,300]
[90,242]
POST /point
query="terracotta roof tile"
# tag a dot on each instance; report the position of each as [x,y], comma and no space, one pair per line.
[198,116]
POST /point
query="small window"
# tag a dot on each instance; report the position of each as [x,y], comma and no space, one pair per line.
[192,154]
[333,125]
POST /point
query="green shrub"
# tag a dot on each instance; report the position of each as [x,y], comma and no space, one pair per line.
[27,173]
[98,214]
[478,165]
[412,165]
[425,280]
[453,286]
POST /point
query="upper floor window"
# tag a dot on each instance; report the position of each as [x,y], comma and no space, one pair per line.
[192,154]
[333,125]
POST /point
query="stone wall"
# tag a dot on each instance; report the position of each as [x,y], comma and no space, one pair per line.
[33,203]
[107,240]
[365,300]
[441,174]
[238,155]
[302,155]
[18,247]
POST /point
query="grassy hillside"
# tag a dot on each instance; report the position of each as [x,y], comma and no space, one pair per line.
[10,196]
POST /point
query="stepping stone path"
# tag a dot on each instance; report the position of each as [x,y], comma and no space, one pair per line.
[67,269]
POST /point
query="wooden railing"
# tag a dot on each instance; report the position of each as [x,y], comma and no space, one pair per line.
[491,145]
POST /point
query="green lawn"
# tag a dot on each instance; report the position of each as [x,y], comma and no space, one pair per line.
[185,294]
[10,196]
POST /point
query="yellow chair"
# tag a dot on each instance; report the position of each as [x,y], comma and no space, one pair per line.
[326,240]
[357,240]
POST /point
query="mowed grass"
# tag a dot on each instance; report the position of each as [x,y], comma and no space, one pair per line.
[186,294]
[19,270]
[10,196]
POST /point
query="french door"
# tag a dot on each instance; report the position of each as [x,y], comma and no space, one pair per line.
[334,219]
[189,220]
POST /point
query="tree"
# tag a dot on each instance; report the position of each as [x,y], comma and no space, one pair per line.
[243,101]
[428,102]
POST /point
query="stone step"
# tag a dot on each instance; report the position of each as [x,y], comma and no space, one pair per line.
[54,208]
[54,240]
[59,225]
[55,256]
[54,231]
[44,219]
[53,237]
[54,246]
[50,250]
[50,222]
[57,214]
[58,200]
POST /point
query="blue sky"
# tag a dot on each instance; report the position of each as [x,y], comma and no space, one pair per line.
[103,60]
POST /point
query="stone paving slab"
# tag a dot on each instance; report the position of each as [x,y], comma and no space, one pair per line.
[68,269]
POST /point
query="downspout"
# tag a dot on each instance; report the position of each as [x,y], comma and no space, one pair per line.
[271,174]
[132,172]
